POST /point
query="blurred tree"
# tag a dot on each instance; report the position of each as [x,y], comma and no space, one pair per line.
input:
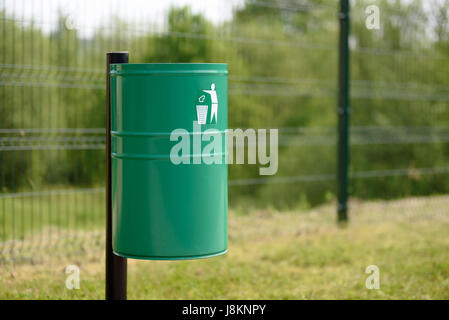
[186,39]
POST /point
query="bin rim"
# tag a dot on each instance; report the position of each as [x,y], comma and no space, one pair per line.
[148,68]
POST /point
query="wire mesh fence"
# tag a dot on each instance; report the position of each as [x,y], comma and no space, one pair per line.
[282,58]
[399,101]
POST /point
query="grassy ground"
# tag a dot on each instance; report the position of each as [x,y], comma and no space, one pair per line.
[279,255]
[73,209]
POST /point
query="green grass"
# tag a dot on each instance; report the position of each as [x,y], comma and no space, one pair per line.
[279,255]
[73,209]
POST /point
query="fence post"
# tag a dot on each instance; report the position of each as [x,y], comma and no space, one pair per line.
[343,112]
[116,267]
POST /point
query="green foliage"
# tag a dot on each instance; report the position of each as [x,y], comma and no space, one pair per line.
[185,40]
[283,73]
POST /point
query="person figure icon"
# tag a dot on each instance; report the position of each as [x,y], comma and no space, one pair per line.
[214,100]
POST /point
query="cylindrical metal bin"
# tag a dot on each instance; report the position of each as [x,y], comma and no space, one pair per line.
[169,199]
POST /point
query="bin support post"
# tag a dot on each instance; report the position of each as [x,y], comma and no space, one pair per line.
[343,113]
[116,267]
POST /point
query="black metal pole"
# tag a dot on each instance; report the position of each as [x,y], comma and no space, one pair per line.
[116,267]
[343,112]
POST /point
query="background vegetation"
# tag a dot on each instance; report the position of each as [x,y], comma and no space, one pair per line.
[283,69]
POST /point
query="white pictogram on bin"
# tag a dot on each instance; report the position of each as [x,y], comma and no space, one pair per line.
[214,100]
[201,112]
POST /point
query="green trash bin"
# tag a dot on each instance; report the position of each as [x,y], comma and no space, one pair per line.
[169,176]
